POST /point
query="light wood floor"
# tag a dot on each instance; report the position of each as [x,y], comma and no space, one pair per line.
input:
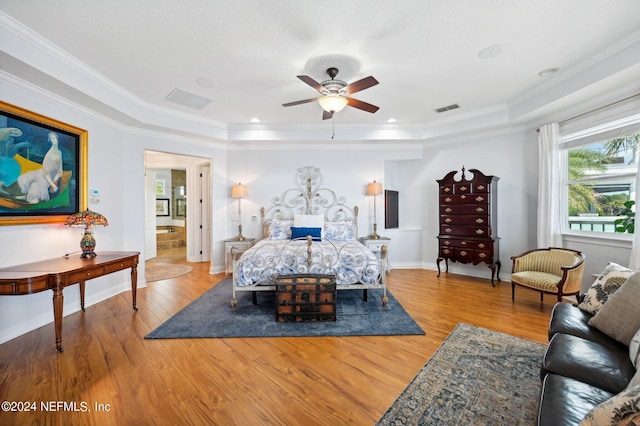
[284,381]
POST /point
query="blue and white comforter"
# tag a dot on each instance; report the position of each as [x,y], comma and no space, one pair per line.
[350,261]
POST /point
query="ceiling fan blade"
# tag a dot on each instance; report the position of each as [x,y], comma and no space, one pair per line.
[311,82]
[326,115]
[362,105]
[304,101]
[359,85]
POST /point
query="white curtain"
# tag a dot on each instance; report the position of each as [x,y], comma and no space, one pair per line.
[634,259]
[549,187]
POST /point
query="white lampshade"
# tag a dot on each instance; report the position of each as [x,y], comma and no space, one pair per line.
[374,188]
[333,103]
[239,191]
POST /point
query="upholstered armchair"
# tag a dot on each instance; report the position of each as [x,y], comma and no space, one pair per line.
[552,270]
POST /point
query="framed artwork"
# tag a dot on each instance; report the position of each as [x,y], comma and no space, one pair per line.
[160,187]
[43,168]
[162,207]
[390,209]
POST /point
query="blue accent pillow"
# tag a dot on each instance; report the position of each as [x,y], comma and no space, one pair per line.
[297,232]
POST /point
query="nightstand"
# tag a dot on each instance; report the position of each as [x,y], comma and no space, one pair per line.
[242,246]
[375,245]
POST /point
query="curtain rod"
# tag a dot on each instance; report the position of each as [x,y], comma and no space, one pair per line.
[596,109]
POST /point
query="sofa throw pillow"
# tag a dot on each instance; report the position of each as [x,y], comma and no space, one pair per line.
[635,380]
[280,229]
[618,410]
[619,318]
[611,278]
[339,231]
[634,350]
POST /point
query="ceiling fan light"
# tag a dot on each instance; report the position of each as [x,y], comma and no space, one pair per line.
[333,103]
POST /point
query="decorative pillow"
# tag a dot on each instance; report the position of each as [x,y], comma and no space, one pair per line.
[301,232]
[635,380]
[617,410]
[634,350]
[280,229]
[619,318]
[604,286]
[339,231]
[308,220]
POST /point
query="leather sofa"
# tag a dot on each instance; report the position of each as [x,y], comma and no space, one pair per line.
[581,368]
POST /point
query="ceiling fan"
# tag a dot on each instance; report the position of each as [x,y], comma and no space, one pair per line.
[335,94]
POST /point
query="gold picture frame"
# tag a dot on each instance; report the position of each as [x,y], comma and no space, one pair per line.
[32,192]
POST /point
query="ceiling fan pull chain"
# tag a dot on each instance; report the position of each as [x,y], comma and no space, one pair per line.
[333,127]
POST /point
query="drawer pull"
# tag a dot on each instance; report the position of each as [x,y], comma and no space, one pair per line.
[464,197]
[479,220]
[463,188]
[463,243]
[448,210]
[448,200]
[481,187]
[446,243]
[447,189]
[482,255]
[481,245]
[479,199]
[464,253]
[446,251]
[479,231]
[480,209]
[447,230]
[448,220]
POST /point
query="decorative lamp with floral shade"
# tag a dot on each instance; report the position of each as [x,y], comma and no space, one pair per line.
[88,219]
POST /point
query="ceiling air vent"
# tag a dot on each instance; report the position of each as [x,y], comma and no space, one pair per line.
[188,99]
[448,108]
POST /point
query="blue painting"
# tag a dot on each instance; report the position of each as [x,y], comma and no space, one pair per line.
[41,167]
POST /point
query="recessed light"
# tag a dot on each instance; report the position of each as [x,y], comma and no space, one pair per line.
[491,51]
[391,120]
[255,120]
[549,71]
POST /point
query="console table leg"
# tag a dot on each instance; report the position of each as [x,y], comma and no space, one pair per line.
[58,303]
[134,286]
[81,285]
[499,265]
[438,260]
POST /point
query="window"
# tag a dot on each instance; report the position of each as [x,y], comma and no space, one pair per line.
[600,166]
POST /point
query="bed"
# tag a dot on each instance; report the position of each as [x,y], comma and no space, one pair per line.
[308,229]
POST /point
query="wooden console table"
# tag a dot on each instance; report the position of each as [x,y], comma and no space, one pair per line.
[56,274]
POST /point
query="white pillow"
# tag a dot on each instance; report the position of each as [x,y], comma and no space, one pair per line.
[634,352]
[308,221]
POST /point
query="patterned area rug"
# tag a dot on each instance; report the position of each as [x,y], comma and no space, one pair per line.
[476,377]
[211,315]
[164,271]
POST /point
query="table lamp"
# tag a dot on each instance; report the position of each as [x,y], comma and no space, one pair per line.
[374,189]
[239,191]
[88,219]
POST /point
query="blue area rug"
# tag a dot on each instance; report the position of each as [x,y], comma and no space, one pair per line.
[477,377]
[211,316]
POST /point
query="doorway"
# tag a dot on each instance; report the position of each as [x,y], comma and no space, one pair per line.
[176,224]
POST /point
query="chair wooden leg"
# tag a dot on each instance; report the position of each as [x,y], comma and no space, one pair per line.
[541,297]
[513,292]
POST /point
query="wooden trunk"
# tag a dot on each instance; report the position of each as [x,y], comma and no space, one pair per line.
[305,297]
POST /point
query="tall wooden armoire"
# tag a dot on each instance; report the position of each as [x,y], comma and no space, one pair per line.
[468,221]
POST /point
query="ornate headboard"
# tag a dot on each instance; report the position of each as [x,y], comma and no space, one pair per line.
[309,197]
